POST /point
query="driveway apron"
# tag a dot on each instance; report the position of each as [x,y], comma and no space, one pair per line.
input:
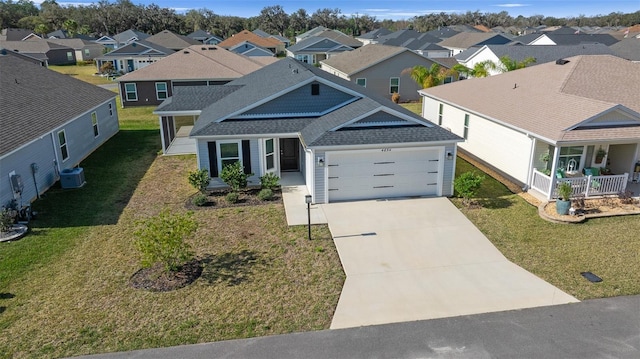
[416,259]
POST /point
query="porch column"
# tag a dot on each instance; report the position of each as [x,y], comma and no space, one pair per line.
[554,168]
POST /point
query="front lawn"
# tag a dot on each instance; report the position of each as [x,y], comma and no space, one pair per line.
[64,288]
[557,253]
[85,73]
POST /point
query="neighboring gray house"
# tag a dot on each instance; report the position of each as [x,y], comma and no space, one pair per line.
[371,36]
[314,49]
[171,40]
[246,48]
[133,56]
[50,123]
[54,54]
[379,68]
[464,40]
[205,37]
[121,39]
[14,34]
[419,42]
[628,48]
[282,39]
[84,50]
[347,143]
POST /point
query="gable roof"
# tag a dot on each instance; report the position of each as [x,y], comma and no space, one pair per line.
[198,62]
[318,45]
[246,35]
[76,44]
[35,100]
[248,49]
[313,32]
[172,41]
[352,62]
[465,40]
[628,48]
[541,53]
[374,34]
[584,88]
[579,39]
[32,46]
[127,35]
[340,37]
[139,48]
[15,34]
[443,32]
[410,39]
[199,34]
[247,107]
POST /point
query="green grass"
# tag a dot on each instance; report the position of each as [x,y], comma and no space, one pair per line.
[416,107]
[64,288]
[608,247]
[84,73]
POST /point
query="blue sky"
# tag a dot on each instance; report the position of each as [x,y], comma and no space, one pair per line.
[403,9]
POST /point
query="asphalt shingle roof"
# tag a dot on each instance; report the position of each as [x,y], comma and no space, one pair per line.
[219,116]
[35,100]
[542,53]
[172,41]
[584,87]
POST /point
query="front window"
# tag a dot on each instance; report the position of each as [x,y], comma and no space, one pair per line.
[394,85]
[229,153]
[570,158]
[303,58]
[131,92]
[62,141]
[466,126]
[361,82]
[269,154]
[87,52]
[69,55]
[94,123]
[440,112]
[161,90]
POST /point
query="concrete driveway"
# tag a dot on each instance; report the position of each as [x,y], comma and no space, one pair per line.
[417,259]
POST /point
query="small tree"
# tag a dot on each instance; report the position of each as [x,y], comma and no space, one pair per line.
[467,185]
[270,181]
[199,179]
[161,239]
[233,175]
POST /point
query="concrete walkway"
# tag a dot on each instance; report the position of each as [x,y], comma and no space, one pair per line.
[422,258]
[293,192]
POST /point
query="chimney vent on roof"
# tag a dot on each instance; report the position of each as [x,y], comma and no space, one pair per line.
[561,61]
[185,52]
[212,48]
[203,48]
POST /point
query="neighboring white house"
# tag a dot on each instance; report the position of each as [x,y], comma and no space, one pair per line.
[583,111]
[50,123]
[293,117]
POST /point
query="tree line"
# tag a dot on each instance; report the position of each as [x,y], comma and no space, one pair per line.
[109,18]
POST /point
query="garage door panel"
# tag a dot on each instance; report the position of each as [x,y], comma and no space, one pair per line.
[378,174]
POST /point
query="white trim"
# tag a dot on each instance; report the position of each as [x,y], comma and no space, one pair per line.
[390,85]
[263,156]
[390,145]
[95,128]
[126,92]
[381,109]
[616,108]
[219,153]
[166,90]
[178,113]
[66,144]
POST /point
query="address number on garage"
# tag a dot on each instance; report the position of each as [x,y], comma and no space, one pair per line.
[386,150]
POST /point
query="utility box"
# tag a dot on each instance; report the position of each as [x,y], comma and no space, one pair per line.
[72,178]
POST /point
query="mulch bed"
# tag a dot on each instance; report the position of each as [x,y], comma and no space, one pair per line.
[248,197]
[157,279]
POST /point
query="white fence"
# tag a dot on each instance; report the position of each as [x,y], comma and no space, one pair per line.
[586,185]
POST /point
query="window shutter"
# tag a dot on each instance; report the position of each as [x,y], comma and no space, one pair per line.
[213,159]
[246,156]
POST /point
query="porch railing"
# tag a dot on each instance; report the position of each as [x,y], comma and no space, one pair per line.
[585,185]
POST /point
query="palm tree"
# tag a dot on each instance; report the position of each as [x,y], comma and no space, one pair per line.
[509,64]
[427,77]
[480,69]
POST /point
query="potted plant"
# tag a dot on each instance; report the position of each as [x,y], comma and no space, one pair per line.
[600,154]
[563,203]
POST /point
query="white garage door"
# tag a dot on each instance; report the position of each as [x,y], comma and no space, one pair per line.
[385,173]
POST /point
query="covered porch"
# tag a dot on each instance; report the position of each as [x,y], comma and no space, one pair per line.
[175,132]
[593,169]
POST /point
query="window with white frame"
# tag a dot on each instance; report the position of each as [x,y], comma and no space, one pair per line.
[269,154]
[394,85]
[440,112]
[161,90]
[570,158]
[362,82]
[230,152]
[87,52]
[94,123]
[466,126]
[69,55]
[304,58]
[62,142]
[131,92]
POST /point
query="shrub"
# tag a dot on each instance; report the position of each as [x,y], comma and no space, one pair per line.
[265,194]
[106,68]
[199,179]
[395,97]
[199,199]
[7,219]
[269,181]
[232,197]
[161,239]
[233,175]
[467,185]
[565,191]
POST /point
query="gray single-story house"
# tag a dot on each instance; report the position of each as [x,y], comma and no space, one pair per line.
[347,143]
[50,123]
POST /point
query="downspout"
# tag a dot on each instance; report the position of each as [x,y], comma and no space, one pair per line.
[56,160]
